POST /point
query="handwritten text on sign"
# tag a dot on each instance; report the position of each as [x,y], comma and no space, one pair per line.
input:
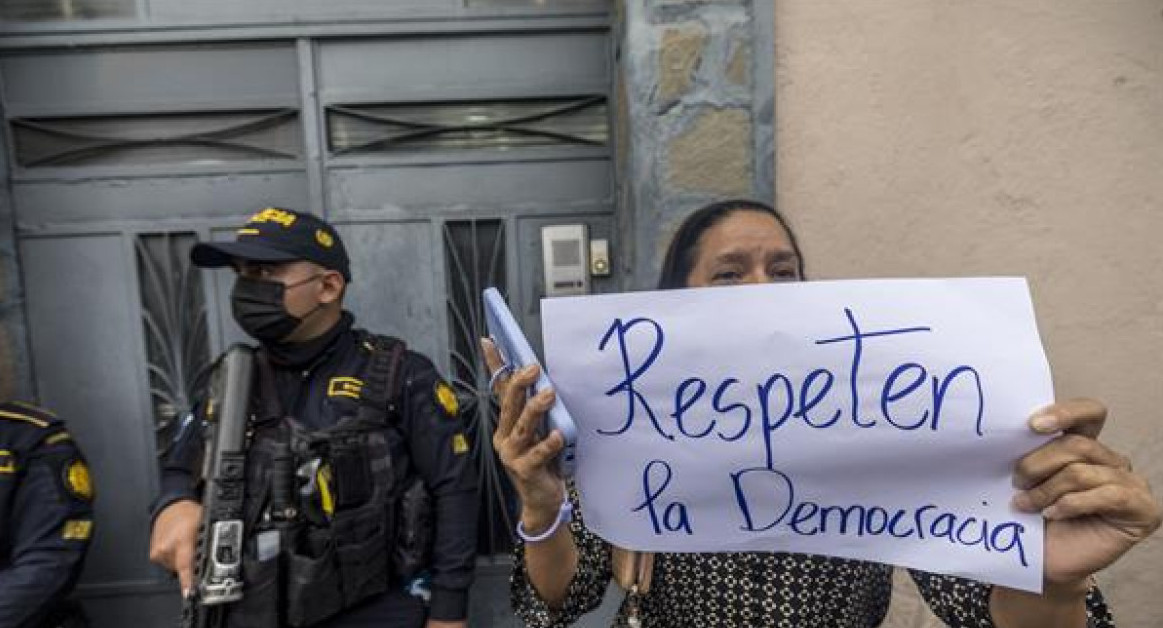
[876,420]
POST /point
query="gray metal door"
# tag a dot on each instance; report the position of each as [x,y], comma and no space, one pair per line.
[439,155]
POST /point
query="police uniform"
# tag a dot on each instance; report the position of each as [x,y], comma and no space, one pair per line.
[46,514]
[304,393]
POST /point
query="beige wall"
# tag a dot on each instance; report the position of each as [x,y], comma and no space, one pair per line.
[956,137]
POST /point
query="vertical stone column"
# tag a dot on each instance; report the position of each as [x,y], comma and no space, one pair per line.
[15,379]
[694,106]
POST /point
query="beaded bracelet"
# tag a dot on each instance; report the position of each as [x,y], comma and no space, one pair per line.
[504,370]
[564,515]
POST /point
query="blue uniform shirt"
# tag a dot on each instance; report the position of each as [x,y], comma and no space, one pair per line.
[46,514]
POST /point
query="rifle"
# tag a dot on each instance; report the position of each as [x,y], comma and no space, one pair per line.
[218,561]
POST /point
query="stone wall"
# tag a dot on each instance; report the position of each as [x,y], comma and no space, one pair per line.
[694,99]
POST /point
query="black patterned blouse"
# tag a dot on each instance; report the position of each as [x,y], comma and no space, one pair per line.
[775,590]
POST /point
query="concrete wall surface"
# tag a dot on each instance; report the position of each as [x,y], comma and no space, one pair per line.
[1015,137]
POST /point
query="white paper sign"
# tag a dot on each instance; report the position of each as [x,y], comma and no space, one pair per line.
[876,420]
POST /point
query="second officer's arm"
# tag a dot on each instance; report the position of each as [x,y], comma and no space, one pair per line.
[176,513]
[52,521]
[179,465]
[440,451]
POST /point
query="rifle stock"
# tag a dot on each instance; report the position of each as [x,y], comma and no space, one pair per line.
[218,561]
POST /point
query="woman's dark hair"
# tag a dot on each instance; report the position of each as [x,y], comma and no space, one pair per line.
[680,256]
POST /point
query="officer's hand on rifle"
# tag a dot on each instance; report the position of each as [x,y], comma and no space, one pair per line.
[174,539]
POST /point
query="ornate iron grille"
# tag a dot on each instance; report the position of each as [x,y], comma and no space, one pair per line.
[188,138]
[467,125]
[174,319]
[474,252]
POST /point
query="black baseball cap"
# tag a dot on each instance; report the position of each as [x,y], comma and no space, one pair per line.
[278,235]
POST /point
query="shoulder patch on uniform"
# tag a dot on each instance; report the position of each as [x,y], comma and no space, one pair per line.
[7,462]
[78,480]
[77,530]
[446,399]
[345,387]
[459,443]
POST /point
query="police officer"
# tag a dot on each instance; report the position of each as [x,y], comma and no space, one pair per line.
[46,516]
[314,371]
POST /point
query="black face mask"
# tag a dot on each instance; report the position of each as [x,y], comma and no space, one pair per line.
[257,305]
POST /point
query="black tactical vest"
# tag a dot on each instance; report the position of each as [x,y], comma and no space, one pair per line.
[322,505]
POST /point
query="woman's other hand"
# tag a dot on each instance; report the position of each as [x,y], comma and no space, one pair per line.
[1096,506]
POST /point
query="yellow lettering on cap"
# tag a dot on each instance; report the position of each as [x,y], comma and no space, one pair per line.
[324,238]
[275,215]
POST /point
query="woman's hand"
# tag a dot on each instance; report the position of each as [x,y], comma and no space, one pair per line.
[551,563]
[526,457]
[1096,507]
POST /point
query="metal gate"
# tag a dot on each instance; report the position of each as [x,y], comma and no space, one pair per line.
[439,152]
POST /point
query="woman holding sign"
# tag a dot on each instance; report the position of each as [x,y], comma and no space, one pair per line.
[1096,507]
